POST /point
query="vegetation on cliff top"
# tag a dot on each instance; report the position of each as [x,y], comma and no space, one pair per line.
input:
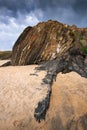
[5,55]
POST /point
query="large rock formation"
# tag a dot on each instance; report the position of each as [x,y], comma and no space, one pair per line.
[48,40]
[62,47]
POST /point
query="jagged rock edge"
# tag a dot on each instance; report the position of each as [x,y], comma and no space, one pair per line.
[53,67]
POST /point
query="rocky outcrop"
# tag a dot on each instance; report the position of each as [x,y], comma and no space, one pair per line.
[66,103]
[22,87]
[53,68]
[47,41]
[62,47]
[29,91]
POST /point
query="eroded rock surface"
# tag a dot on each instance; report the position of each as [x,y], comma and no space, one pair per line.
[22,87]
[68,110]
[47,41]
[57,48]
[53,68]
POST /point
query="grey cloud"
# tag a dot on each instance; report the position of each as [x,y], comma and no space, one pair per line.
[52,9]
[28,5]
[80,7]
[44,4]
[12,7]
[15,15]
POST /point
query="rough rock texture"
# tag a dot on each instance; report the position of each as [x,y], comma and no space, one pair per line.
[62,47]
[48,40]
[21,88]
[52,68]
[68,110]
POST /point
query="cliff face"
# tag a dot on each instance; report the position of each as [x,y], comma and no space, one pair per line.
[48,40]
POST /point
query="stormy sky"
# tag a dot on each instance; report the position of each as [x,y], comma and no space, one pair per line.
[15,15]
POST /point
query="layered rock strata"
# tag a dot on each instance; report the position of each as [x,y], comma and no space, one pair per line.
[57,48]
[47,41]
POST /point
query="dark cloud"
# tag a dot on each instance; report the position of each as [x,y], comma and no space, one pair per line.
[80,7]
[52,9]
[54,3]
[12,7]
[28,5]
[15,15]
